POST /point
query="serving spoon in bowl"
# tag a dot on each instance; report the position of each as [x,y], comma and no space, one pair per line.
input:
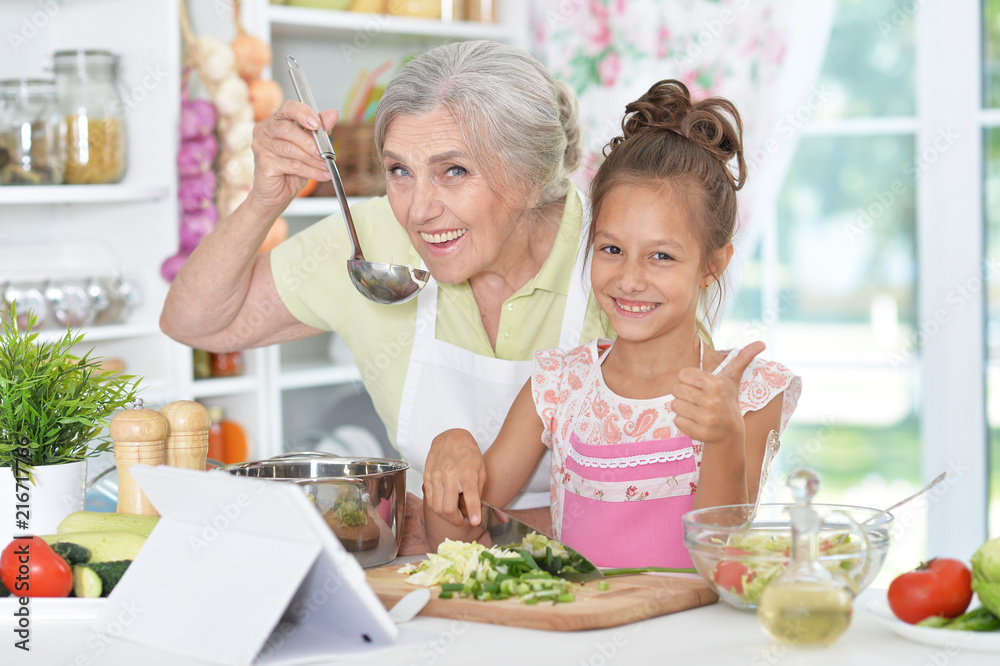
[377,281]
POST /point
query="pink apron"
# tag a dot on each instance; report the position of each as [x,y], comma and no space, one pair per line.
[622,503]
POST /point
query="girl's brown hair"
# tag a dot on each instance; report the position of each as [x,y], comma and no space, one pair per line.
[669,139]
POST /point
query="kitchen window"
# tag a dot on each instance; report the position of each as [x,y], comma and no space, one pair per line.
[869,278]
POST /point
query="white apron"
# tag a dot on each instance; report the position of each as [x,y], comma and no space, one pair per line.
[449,387]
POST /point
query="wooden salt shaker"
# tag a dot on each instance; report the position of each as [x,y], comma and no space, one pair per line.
[187,443]
[139,435]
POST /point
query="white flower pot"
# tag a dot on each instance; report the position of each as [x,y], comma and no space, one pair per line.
[54,492]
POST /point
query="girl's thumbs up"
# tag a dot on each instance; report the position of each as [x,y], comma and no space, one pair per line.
[742,361]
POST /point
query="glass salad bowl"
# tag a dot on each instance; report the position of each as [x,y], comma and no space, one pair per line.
[739,561]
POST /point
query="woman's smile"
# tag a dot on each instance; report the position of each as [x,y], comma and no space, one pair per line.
[443,242]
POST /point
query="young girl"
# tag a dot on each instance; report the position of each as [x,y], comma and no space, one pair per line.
[656,423]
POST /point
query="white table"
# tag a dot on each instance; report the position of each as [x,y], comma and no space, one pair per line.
[714,634]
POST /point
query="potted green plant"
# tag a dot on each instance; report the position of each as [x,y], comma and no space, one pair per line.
[54,408]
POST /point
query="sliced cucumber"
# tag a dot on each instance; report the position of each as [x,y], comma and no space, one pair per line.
[86,582]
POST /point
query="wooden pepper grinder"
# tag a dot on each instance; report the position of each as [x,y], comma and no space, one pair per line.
[139,435]
[187,443]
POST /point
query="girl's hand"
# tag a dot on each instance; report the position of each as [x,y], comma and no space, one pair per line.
[285,156]
[708,406]
[454,466]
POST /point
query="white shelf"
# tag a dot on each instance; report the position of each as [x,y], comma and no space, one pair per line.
[304,21]
[213,388]
[318,206]
[72,194]
[99,333]
[302,376]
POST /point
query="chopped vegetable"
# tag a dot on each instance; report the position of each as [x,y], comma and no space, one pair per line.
[86,583]
[350,512]
[472,570]
[748,580]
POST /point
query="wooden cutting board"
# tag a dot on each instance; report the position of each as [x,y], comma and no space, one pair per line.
[628,599]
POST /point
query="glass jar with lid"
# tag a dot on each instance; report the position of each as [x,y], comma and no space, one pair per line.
[94,115]
[32,134]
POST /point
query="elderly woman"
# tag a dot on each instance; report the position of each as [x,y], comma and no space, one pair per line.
[477,140]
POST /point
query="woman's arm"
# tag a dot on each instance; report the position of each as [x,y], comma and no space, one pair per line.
[454,469]
[224,298]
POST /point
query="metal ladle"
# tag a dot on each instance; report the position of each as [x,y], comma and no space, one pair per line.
[379,282]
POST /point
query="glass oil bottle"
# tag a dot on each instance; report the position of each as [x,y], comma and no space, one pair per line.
[805,605]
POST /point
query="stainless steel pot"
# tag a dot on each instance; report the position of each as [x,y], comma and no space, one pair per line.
[363,500]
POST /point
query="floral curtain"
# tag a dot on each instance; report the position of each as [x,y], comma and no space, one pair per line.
[762,54]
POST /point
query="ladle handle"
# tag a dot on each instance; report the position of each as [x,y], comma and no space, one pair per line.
[325,150]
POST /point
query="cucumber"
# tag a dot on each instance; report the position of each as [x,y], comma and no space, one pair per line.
[103,546]
[71,552]
[86,582]
[4,592]
[102,521]
[110,573]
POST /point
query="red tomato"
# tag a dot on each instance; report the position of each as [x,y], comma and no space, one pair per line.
[30,568]
[729,573]
[942,587]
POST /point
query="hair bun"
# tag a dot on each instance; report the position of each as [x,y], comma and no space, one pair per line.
[712,123]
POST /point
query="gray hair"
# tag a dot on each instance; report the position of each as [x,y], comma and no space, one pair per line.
[512,113]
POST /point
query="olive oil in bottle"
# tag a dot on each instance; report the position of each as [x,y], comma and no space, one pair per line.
[806,604]
[805,613]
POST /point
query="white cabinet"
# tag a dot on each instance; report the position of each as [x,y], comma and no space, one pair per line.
[132,226]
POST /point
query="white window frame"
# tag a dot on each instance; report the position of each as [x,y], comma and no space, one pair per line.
[951,360]
[950,250]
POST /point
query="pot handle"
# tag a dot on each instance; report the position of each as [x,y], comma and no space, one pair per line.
[352,480]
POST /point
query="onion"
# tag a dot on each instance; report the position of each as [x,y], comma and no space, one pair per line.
[238,169]
[197,193]
[266,96]
[195,226]
[197,119]
[252,55]
[172,266]
[217,62]
[232,95]
[196,156]
[239,137]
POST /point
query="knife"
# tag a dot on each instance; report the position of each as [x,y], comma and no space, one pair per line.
[505,530]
